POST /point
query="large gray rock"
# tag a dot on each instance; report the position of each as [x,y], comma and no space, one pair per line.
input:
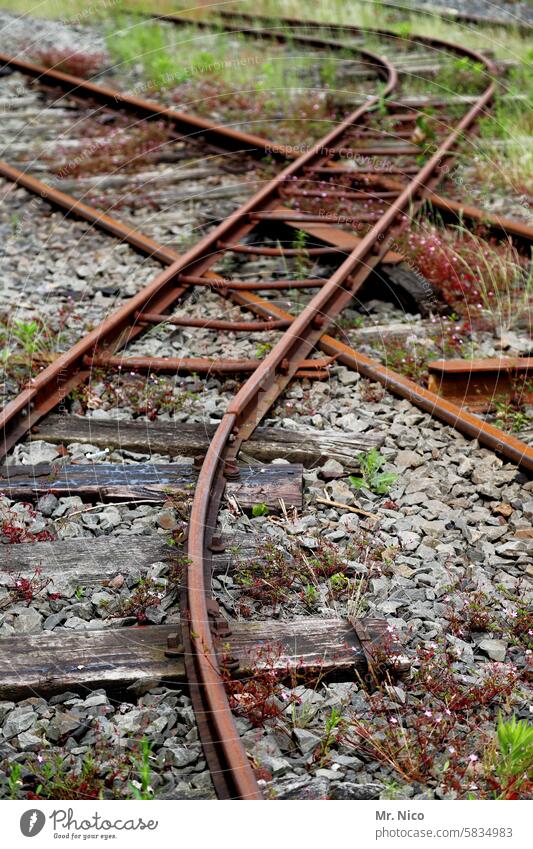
[181,755]
[131,721]
[332,469]
[19,720]
[496,649]
[306,740]
[341,492]
[47,504]
[28,621]
[303,788]
[54,620]
[101,599]
[514,548]
[408,460]
[350,790]
[29,742]
[461,649]
[39,452]
[62,725]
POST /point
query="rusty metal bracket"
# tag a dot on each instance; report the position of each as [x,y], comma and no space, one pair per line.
[390,658]
[221,632]
[174,646]
[216,546]
[218,624]
[231,470]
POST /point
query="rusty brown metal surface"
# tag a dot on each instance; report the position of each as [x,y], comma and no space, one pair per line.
[480,384]
[214,323]
[446,411]
[520,233]
[267,382]
[223,284]
[191,125]
[193,365]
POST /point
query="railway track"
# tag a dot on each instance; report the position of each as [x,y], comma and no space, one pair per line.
[448,13]
[351,241]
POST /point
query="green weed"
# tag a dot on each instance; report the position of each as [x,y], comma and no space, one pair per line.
[515,743]
[142,789]
[371,477]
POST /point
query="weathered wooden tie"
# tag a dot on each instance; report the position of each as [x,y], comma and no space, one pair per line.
[117,658]
[309,447]
[113,482]
[91,562]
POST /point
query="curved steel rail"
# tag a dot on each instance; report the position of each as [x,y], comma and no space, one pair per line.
[229,764]
[256,396]
[455,16]
[233,760]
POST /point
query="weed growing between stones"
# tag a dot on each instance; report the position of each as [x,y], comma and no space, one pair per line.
[485,283]
[259,697]
[150,395]
[21,525]
[449,339]
[25,589]
[28,346]
[474,612]
[440,733]
[112,775]
[70,60]
[276,574]
[124,147]
[371,477]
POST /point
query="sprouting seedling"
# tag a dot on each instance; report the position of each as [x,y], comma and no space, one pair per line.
[339,582]
[332,723]
[302,259]
[27,334]
[143,789]
[310,595]
[371,477]
[263,349]
[259,510]
[515,742]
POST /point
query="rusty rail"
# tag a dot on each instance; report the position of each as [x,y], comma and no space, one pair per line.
[228,139]
[192,126]
[256,397]
[431,402]
[232,771]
